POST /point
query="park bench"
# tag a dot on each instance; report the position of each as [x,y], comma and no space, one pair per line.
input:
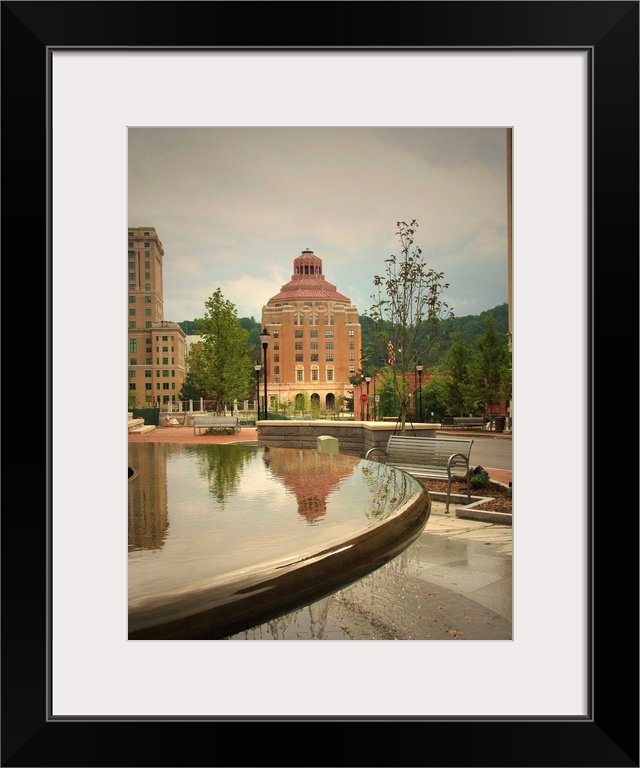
[227,424]
[427,457]
[451,422]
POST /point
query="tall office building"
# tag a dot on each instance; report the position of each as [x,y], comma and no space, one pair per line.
[315,340]
[156,348]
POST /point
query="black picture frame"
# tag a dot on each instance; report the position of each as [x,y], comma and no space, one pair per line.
[608,736]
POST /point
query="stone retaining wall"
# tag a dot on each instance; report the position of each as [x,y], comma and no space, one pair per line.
[355,437]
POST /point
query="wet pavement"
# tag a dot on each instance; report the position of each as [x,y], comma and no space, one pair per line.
[453,583]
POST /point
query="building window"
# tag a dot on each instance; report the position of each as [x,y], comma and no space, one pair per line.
[147,386]
[132,265]
[298,320]
[165,349]
[147,324]
[132,312]
[165,374]
[165,361]
[352,357]
[133,361]
[133,346]
[165,385]
[298,334]
[132,374]
[328,320]
[299,374]
[147,374]
[352,334]
[146,265]
[352,369]
[314,374]
[329,374]
[132,299]
[146,245]
[173,374]
[146,254]
[149,361]
[147,276]
[313,320]
[352,345]
[165,338]
[147,286]
[298,345]
[299,358]
[313,334]
[314,357]
[132,275]
[132,387]
[147,312]
[132,254]
[132,286]
[276,358]
[147,299]
[328,334]
[157,374]
[276,345]
[328,345]
[276,381]
[132,324]
[276,369]
[276,333]
[329,358]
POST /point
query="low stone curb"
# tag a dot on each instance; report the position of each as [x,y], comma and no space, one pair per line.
[469,511]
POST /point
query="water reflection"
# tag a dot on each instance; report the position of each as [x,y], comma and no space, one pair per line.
[224,537]
[310,476]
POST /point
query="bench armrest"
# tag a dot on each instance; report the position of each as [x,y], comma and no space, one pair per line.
[376,454]
[458,460]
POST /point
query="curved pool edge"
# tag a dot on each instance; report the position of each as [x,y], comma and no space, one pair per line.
[262,594]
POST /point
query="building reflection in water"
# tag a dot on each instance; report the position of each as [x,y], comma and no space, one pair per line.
[311,477]
[224,537]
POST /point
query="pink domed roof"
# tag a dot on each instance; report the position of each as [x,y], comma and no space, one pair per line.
[307,281]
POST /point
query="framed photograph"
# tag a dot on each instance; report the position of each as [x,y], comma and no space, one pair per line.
[564,77]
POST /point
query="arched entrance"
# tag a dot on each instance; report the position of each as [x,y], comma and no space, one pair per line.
[299,402]
[315,402]
[331,402]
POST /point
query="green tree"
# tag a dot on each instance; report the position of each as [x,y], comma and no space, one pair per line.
[189,391]
[389,404]
[490,369]
[434,401]
[220,364]
[408,312]
[459,394]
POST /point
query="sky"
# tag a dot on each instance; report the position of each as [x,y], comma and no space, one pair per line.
[233,207]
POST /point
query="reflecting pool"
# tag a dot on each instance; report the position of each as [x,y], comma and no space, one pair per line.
[224,537]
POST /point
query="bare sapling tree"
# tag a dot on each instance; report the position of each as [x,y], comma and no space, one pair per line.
[408,312]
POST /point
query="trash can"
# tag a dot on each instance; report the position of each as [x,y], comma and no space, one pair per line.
[499,422]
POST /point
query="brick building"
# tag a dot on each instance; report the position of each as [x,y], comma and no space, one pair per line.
[315,340]
[156,348]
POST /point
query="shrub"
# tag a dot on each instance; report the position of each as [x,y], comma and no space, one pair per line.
[479,478]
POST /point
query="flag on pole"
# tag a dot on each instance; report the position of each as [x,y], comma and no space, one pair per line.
[391,355]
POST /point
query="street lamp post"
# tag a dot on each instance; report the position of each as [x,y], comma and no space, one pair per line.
[419,368]
[264,338]
[367,379]
[257,368]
